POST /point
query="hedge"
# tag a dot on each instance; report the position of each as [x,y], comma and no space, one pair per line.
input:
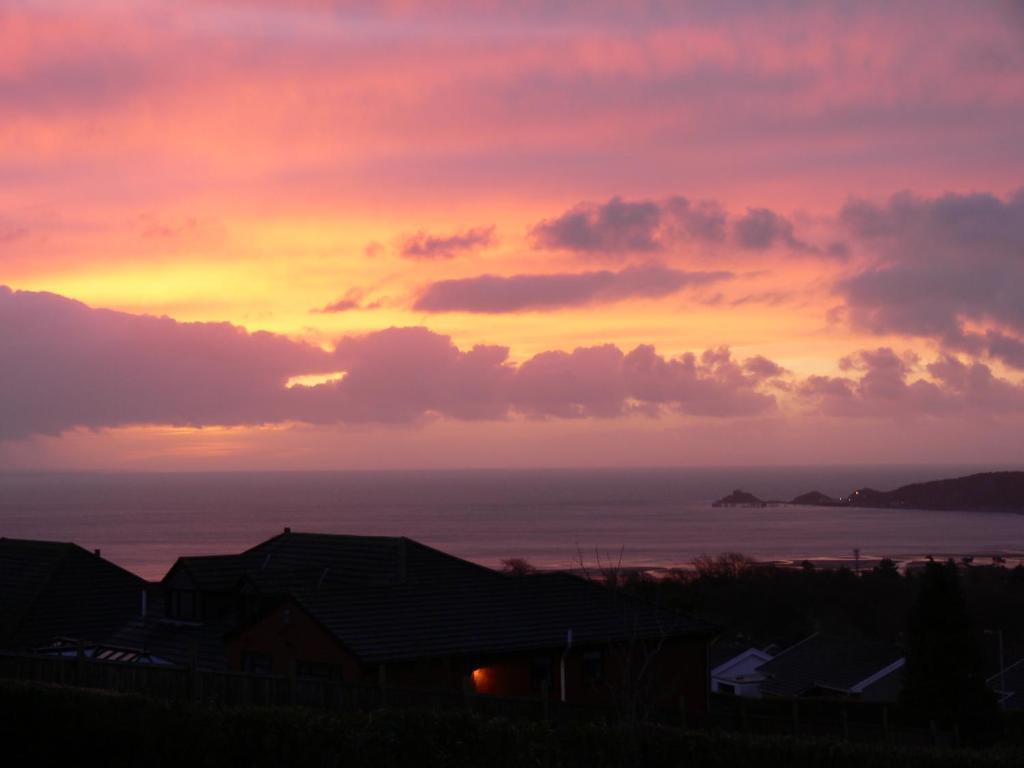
[45,726]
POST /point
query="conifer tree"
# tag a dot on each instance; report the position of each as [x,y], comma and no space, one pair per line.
[944,679]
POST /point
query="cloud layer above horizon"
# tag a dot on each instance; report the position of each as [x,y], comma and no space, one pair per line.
[71,366]
[750,223]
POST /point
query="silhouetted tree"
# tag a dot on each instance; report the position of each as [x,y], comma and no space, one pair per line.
[887,568]
[728,566]
[517,566]
[943,679]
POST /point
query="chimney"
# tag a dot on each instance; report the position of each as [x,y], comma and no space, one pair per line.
[143,603]
[287,529]
[96,552]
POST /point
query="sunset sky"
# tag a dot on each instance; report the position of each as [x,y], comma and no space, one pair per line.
[269,234]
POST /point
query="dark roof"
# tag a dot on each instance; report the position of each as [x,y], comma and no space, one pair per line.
[363,559]
[399,599]
[178,642]
[50,589]
[212,573]
[826,661]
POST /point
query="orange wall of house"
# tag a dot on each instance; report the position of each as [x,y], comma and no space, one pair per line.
[506,677]
[287,634]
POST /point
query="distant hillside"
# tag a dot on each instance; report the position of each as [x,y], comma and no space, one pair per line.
[1002,491]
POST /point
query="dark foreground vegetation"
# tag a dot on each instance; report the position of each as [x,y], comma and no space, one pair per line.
[958,622]
[767,603]
[44,726]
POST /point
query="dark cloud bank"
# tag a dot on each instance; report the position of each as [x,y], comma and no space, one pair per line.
[66,365]
[941,265]
[494,294]
[620,227]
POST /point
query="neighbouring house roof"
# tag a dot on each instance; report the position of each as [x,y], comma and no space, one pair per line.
[50,589]
[726,649]
[211,573]
[1010,685]
[393,599]
[744,660]
[824,661]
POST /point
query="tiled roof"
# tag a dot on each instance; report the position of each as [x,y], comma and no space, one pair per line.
[826,661]
[390,599]
[50,589]
[364,559]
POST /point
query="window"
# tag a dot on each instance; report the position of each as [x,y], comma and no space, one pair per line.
[727,688]
[593,667]
[257,663]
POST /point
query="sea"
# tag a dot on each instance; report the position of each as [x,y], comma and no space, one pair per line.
[635,518]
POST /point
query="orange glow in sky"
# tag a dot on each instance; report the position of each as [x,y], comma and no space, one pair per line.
[614,234]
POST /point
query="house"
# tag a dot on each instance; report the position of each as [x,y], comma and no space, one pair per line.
[738,674]
[828,665]
[53,589]
[394,611]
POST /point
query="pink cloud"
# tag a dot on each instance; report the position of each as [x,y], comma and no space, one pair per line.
[621,227]
[68,365]
[889,386]
[427,246]
[72,366]
[938,265]
[319,102]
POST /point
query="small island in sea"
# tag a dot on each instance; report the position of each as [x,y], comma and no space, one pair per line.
[740,498]
[985,491]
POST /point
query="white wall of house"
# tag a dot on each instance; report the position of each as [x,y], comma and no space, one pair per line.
[739,674]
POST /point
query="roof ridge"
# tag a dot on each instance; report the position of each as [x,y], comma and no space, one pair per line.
[290,532]
[449,556]
[38,541]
